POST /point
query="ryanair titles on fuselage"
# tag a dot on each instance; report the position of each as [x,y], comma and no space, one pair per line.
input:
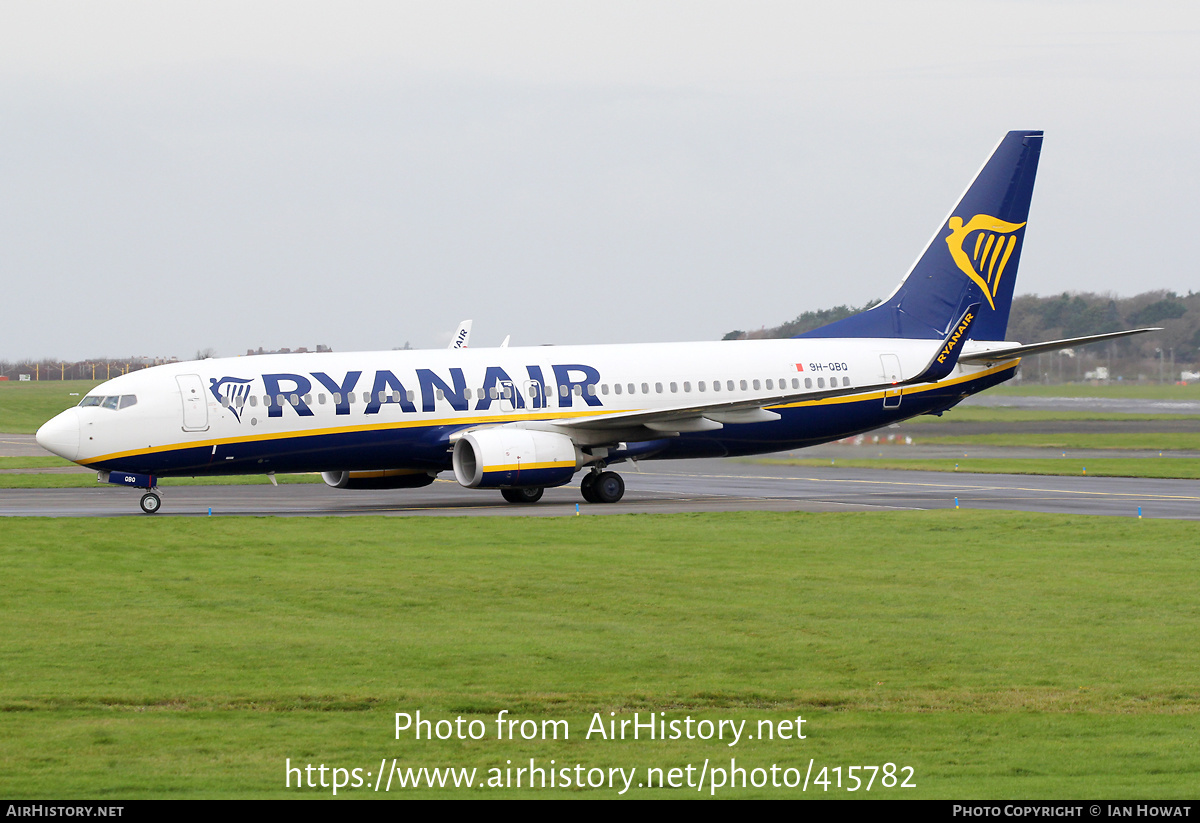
[423,386]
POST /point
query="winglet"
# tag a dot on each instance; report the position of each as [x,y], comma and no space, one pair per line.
[947,356]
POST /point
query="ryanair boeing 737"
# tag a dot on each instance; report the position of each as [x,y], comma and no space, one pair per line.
[522,419]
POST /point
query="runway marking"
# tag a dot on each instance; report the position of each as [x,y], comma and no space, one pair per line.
[936,485]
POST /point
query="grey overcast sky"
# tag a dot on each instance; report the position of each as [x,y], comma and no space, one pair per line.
[178,176]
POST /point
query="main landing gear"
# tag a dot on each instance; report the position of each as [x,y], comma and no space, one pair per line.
[602,487]
[531,495]
[597,487]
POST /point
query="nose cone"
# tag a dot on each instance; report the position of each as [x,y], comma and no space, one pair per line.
[61,435]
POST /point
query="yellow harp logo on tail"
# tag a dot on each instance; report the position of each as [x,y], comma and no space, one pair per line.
[983,259]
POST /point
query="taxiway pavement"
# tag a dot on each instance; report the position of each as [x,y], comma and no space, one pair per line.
[663,488]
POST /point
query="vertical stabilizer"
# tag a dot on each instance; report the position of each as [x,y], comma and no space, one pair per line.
[972,257]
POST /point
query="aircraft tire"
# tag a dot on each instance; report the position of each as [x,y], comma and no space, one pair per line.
[587,487]
[608,487]
[530,495]
[151,503]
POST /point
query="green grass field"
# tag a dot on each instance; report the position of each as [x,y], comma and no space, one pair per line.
[1182,468]
[1147,391]
[87,480]
[998,655]
[1003,414]
[47,462]
[25,406]
[1146,441]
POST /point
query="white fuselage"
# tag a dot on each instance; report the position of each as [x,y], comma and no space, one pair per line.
[326,411]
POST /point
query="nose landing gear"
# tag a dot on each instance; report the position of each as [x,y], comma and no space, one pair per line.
[151,501]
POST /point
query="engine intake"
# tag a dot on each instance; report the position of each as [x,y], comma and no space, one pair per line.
[514,458]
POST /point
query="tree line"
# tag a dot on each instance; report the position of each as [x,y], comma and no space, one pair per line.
[1036,319]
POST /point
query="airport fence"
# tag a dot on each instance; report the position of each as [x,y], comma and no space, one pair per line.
[94,369]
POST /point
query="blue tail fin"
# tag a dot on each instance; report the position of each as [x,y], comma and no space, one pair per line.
[972,258]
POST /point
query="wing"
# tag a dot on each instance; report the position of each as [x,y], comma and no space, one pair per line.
[1009,351]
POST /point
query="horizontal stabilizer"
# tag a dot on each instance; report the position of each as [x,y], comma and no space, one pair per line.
[1006,351]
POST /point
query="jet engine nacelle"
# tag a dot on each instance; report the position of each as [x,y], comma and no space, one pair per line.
[514,458]
[390,479]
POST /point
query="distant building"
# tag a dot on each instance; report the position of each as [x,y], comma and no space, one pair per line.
[321,347]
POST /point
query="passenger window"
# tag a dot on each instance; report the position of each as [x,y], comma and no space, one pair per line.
[632,389]
[770,385]
[604,388]
[337,398]
[441,395]
[645,388]
[321,398]
[820,382]
[279,401]
[674,388]
[366,397]
[729,385]
[562,391]
[466,394]
[295,400]
[91,401]
[795,382]
[412,396]
[808,382]
[253,400]
[577,391]
[700,385]
[617,388]
[687,386]
[716,385]
[350,397]
[308,398]
[591,389]
[743,384]
[845,381]
[658,387]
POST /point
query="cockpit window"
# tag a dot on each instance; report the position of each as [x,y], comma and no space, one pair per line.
[122,401]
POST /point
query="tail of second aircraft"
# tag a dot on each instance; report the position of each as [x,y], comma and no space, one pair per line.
[972,257]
